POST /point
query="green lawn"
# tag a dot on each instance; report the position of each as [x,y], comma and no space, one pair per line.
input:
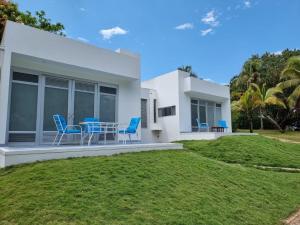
[249,150]
[293,136]
[162,187]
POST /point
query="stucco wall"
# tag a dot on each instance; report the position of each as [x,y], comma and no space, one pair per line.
[166,87]
[41,44]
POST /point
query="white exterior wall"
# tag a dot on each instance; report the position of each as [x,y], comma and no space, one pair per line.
[4,93]
[49,54]
[166,87]
[152,132]
[33,42]
[177,88]
[129,103]
[184,105]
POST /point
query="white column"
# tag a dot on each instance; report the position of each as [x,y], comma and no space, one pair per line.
[226,114]
[4,95]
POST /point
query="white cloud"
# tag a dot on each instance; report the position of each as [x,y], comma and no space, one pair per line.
[208,79]
[211,19]
[247,4]
[206,32]
[83,39]
[82,9]
[185,26]
[109,33]
[225,84]
[277,53]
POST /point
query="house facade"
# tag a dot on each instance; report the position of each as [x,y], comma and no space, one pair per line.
[43,74]
[173,103]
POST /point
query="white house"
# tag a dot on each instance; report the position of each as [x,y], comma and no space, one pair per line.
[43,74]
[172,102]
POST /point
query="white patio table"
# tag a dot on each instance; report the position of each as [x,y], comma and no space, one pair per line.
[105,128]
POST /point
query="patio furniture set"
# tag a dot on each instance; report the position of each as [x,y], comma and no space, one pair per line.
[221,126]
[92,127]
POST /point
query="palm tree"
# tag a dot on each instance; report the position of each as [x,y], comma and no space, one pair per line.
[246,104]
[264,97]
[189,70]
[291,79]
[250,73]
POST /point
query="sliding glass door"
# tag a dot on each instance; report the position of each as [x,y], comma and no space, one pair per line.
[36,98]
[55,102]
[23,108]
[84,98]
[108,104]
[205,112]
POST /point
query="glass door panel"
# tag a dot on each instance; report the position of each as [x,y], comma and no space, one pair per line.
[107,108]
[23,107]
[202,113]
[56,102]
[84,99]
[194,117]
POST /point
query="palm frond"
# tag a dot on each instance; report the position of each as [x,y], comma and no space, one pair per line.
[273,100]
[292,69]
[289,83]
[289,73]
[273,91]
[294,97]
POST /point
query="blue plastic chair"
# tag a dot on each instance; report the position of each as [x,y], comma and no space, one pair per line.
[64,129]
[222,123]
[92,127]
[202,125]
[131,129]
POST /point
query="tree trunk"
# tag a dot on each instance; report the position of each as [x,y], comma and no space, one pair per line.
[275,123]
[261,119]
[251,124]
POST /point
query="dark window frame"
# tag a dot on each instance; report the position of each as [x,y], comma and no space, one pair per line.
[167,111]
[154,110]
[144,113]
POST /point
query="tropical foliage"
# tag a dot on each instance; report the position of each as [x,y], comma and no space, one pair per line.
[10,11]
[188,69]
[267,91]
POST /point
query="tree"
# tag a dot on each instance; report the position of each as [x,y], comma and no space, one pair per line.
[264,97]
[189,70]
[10,11]
[291,79]
[266,69]
[246,104]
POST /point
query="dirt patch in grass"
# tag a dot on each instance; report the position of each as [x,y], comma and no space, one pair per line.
[294,219]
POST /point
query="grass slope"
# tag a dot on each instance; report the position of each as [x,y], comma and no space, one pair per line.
[167,187]
[288,135]
[249,150]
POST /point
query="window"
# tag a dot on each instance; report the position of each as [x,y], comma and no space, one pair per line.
[84,101]
[194,117]
[218,112]
[56,101]
[107,104]
[202,113]
[23,107]
[108,90]
[154,110]
[167,111]
[144,113]
[206,112]
[211,114]
[25,77]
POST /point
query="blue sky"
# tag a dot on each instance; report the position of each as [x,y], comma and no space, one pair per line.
[214,36]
